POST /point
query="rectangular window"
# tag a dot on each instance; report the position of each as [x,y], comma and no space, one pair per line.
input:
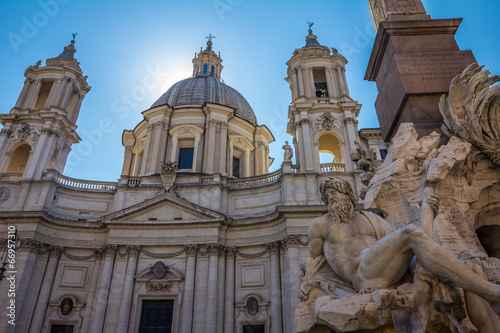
[62,328]
[157,316]
[253,329]
[236,167]
[185,158]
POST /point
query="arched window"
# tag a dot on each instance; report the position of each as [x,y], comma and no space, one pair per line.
[212,71]
[19,159]
[329,149]
[205,68]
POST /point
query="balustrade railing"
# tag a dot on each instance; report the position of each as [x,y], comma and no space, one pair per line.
[255,181]
[134,181]
[86,184]
[11,175]
[332,167]
[206,179]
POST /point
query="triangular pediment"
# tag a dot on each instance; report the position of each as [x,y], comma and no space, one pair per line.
[164,208]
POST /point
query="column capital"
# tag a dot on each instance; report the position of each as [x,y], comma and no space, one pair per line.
[110,250]
[32,245]
[98,253]
[291,241]
[214,249]
[133,250]
[55,251]
[231,251]
[273,247]
[191,250]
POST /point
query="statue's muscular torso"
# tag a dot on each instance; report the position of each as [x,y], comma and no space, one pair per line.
[344,245]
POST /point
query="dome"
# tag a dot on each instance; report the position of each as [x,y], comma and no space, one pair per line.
[206,89]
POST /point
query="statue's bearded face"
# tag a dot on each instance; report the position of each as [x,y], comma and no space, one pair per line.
[340,206]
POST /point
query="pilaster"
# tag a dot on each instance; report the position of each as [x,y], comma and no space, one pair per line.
[103,289]
[189,283]
[46,289]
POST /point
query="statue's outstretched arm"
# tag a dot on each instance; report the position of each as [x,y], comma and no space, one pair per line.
[430,206]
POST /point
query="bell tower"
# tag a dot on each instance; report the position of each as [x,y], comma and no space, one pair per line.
[322,115]
[39,130]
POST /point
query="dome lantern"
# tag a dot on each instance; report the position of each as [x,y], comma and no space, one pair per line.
[207,62]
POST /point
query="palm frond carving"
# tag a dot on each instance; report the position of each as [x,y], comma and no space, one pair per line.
[472,110]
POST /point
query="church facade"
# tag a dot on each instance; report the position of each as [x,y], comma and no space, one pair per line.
[197,235]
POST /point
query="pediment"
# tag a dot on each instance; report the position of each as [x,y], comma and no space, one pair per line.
[164,208]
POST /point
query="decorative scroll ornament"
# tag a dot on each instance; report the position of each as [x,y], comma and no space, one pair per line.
[472,110]
[168,175]
[25,132]
[327,122]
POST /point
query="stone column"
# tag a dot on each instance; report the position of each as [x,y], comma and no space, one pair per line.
[42,153]
[335,85]
[33,96]
[210,146]
[127,160]
[54,92]
[223,149]
[301,82]
[188,298]
[229,294]
[312,85]
[307,85]
[211,304]
[276,320]
[220,289]
[91,295]
[147,149]
[46,289]
[344,80]
[75,110]
[295,87]
[60,92]
[67,94]
[103,289]
[154,158]
[340,80]
[329,85]
[308,145]
[128,289]
[24,92]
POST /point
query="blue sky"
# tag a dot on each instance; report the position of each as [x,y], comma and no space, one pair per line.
[122,44]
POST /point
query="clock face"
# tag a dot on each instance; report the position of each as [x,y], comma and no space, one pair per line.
[4,194]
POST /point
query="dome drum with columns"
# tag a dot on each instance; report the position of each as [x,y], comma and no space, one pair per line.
[202,124]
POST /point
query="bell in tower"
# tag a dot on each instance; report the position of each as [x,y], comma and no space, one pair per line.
[40,129]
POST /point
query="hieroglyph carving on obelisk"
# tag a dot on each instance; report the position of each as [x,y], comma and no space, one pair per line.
[385,10]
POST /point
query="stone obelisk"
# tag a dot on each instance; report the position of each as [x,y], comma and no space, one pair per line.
[413,60]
